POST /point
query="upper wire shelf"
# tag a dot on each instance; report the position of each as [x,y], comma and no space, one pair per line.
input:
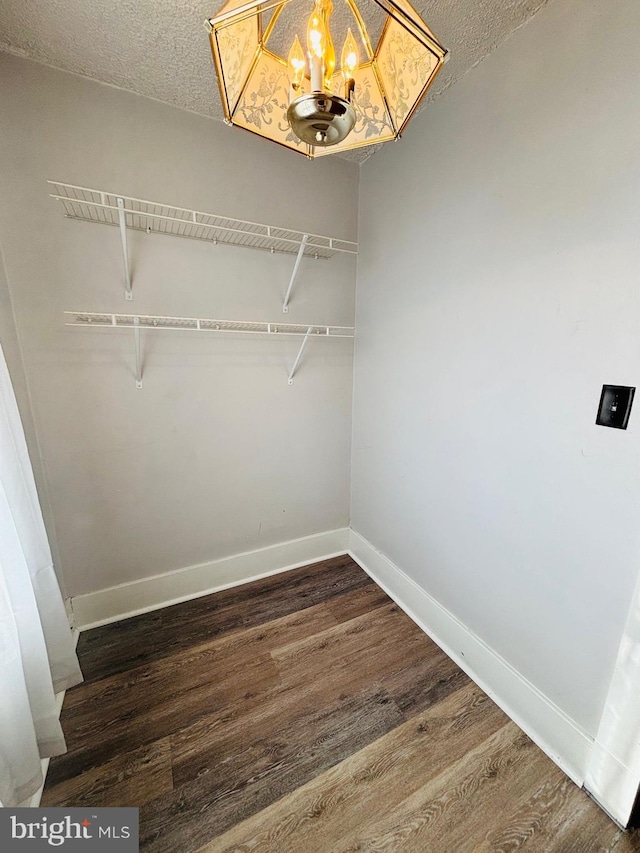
[103,207]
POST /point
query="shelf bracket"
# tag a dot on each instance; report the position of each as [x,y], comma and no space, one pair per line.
[299,356]
[128,294]
[294,274]
[136,344]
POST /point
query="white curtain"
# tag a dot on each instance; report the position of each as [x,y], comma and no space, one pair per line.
[37,656]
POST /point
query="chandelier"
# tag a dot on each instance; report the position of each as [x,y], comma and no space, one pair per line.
[271,86]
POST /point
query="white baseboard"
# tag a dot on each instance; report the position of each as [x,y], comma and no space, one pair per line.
[560,737]
[131,599]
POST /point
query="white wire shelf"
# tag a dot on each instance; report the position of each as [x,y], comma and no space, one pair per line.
[201,324]
[136,322]
[107,208]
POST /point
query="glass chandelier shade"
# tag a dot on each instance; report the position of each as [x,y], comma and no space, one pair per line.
[289,90]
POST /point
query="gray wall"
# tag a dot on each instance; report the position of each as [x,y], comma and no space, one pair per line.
[216,454]
[498,289]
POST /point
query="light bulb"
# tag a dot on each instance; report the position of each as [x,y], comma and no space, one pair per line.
[349,62]
[349,59]
[296,64]
[322,56]
[315,33]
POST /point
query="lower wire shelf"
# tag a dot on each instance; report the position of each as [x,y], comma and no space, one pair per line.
[136,322]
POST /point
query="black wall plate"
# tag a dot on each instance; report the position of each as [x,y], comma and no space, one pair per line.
[615,406]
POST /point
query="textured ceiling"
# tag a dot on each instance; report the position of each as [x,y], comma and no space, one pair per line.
[159,48]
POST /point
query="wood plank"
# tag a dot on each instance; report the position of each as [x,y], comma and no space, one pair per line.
[554,815]
[381,775]
[92,744]
[173,692]
[160,689]
[440,814]
[202,661]
[423,680]
[199,748]
[384,634]
[383,645]
[132,642]
[358,602]
[418,684]
[250,768]
[131,779]
[451,810]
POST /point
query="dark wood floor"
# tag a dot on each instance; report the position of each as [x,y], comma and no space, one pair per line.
[304,713]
